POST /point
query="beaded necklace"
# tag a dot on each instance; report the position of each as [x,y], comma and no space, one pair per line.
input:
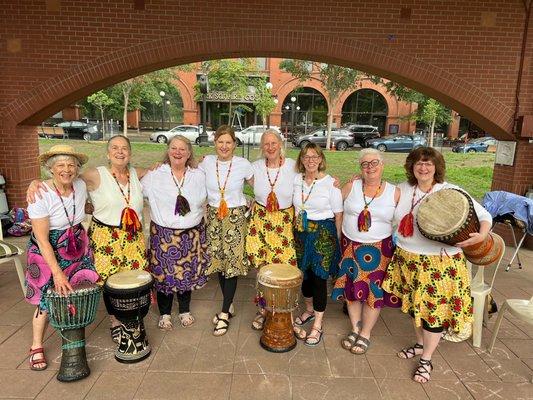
[129,219]
[223,211]
[73,244]
[364,221]
[301,220]
[182,206]
[272,200]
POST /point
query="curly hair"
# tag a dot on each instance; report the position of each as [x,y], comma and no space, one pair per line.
[425,154]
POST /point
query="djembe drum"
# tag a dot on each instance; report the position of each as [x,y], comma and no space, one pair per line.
[278,288]
[70,315]
[448,216]
[128,294]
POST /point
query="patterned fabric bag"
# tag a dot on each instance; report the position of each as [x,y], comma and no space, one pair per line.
[21,222]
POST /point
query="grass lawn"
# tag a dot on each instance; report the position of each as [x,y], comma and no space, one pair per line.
[472,172]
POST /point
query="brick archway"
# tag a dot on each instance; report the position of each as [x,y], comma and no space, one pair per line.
[52,94]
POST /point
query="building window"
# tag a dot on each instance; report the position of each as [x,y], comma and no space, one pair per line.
[365,107]
[310,110]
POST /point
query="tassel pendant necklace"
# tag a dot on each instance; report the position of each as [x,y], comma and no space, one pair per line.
[301,220]
[223,211]
[364,221]
[182,206]
[73,243]
[129,219]
[272,200]
[406,227]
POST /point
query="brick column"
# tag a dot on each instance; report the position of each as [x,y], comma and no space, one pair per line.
[19,149]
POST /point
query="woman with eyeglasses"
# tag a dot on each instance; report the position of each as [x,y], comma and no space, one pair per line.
[318,208]
[430,278]
[367,249]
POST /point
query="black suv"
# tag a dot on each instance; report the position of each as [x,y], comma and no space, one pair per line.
[363,133]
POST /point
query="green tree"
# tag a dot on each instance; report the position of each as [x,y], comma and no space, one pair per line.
[334,79]
[264,102]
[101,100]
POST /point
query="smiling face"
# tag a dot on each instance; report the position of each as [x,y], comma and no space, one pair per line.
[271,146]
[311,160]
[118,152]
[178,153]
[224,146]
[424,171]
[64,170]
[371,168]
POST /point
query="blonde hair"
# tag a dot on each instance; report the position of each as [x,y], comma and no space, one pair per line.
[191,162]
[370,151]
[277,136]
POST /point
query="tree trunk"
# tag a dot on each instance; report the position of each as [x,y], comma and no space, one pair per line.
[103,122]
[431,131]
[330,122]
[125,116]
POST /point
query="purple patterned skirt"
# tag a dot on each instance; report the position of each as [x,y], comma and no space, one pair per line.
[178,258]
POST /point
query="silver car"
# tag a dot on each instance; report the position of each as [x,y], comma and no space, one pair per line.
[342,138]
[191,132]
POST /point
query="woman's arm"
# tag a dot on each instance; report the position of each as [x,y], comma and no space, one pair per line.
[91,177]
[338,224]
[346,189]
[397,193]
[41,230]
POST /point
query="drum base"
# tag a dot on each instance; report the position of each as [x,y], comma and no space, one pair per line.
[73,358]
[133,346]
[278,336]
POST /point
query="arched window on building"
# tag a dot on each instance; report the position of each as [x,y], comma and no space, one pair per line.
[365,107]
[310,109]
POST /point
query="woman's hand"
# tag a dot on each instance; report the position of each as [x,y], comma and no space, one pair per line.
[336,182]
[33,191]
[475,238]
[61,284]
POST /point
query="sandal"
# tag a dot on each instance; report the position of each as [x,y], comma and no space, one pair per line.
[165,324]
[423,372]
[116,331]
[221,327]
[299,333]
[299,321]
[186,319]
[231,314]
[349,341]
[258,321]
[36,361]
[314,340]
[360,346]
[410,352]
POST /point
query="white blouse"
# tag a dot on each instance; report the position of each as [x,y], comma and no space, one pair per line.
[161,190]
[241,170]
[324,199]
[50,206]
[418,243]
[283,187]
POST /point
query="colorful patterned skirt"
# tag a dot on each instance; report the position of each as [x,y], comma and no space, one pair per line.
[435,289]
[116,250]
[178,258]
[227,242]
[361,273]
[270,237]
[78,267]
[317,249]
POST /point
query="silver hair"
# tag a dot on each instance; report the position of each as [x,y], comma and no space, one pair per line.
[60,157]
[370,151]
[278,137]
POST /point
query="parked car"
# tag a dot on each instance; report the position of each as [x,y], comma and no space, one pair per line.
[483,144]
[342,138]
[191,132]
[253,134]
[80,130]
[363,133]
[399,142]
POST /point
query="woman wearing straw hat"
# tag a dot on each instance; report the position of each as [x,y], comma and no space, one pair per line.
[59,255]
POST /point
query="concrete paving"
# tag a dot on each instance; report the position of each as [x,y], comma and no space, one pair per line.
[190,363]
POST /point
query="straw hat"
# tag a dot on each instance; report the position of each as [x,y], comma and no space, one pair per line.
[64,150]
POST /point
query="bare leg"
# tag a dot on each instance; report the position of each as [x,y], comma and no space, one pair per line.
[369,319]
[416,350]
[354,312]
[39,323]
[431,341]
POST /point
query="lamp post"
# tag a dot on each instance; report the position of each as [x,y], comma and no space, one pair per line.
[203,83]
[162,94]
[268,86]
[168,113]
[293,100]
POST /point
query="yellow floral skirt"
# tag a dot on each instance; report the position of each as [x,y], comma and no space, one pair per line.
[435,289]
[116,250]
[270,237]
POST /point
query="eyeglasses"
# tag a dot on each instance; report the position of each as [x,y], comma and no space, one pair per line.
[426,164]
[368,164]
[311,158]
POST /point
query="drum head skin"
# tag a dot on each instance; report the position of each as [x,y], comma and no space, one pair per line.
[129,279]
[272,273]
[443,213]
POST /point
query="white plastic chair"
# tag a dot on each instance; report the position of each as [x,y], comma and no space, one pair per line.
[10,252]
[480,291]
[521,309]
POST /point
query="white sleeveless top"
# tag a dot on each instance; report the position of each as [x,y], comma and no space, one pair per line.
[381,212]
[109,202]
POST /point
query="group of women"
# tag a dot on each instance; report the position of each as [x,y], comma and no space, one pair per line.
[299,217]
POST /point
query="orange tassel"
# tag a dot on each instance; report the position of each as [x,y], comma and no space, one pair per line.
[130,220]
[272,202]
[406,227]
[222,209]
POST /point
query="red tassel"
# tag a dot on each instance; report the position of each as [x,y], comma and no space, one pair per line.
[406,227]
[272,202]
[130,220]
[364,221]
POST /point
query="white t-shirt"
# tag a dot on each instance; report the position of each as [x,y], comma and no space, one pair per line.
[50,206]
[241,170]
[420,244]
[381,213]
[283,187]
[324,201]
[161,191]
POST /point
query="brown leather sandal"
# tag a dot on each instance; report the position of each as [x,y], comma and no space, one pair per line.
[36,361]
